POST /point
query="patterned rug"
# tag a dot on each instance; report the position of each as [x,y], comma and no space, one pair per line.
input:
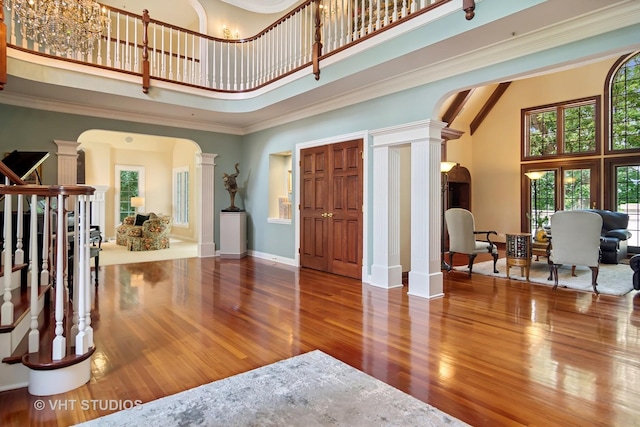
[312,389]
[613,279]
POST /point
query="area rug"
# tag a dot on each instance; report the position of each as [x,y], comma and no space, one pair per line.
[613,279]
[112,254]
[312,389]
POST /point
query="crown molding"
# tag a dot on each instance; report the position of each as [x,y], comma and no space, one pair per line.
[129,116]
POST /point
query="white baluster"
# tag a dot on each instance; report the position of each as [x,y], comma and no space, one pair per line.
[260,60]
[228,66]
[13,27]
[44,273]
[99,51]
[126,50]
[18,257]
[178,56]
[154,53]
[193,60]
[242,84]
[136,49]
[116,46]
[59,349]
[81,249]
[32,276]
[214,83]
[254,60]
[73,279]
[185,74]
[235,66]
[108,41]
[206,63]
[170,53]
[395,11]
[163,66]
[404,8]
[6,314]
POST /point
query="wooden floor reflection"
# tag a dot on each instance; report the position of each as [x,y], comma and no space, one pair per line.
[491,352]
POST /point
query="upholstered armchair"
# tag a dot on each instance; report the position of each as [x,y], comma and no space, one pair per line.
[462,237]
[575,241]
[144,232]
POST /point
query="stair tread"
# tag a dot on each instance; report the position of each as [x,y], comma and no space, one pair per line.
[20,297]
[42,360]
[23,346]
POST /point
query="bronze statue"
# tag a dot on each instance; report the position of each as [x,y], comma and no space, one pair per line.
[232,187]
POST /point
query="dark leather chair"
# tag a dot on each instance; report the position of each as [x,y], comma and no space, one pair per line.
[614,235]
[634,262]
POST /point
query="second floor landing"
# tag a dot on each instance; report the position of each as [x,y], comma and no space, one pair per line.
[508,40]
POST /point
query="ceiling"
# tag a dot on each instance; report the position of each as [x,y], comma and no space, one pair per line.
[183,14]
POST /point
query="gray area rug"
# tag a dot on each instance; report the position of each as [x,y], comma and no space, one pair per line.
[613,279]
[312,389]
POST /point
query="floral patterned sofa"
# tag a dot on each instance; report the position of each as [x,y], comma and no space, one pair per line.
[144,232]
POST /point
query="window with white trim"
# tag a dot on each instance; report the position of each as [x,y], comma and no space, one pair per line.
[181,196]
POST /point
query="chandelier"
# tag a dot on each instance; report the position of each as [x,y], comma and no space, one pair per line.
[63,26]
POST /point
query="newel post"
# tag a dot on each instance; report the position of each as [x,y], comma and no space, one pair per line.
[146,78]
[317,45]
[3,47]
[469,6]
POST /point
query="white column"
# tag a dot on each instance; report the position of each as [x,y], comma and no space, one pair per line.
[68,166]
[425,277]
[67,162]
[386,271]
[205,167]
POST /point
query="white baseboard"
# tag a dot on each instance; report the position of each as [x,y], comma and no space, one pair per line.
[274,258]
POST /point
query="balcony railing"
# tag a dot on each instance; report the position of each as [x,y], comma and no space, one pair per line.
[140,45]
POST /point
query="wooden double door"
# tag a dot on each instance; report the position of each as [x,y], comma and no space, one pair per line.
[331,208]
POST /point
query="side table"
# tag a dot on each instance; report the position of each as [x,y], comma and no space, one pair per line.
[518,250]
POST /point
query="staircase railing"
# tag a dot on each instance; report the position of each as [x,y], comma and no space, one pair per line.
[141,46]
[55,239]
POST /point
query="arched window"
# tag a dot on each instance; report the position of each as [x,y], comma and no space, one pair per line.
[624,99]
[622,173]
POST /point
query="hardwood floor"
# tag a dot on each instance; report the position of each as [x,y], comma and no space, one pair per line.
[491,352]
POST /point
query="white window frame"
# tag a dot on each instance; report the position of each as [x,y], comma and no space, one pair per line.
[141,189]
[181,196]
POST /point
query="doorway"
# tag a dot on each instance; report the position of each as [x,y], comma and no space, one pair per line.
[331,200]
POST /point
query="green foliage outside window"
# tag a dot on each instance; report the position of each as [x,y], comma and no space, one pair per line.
[580,129]
[625,106]
[577,189]
[128,189]
[577,119]
[627,185]
[543,133]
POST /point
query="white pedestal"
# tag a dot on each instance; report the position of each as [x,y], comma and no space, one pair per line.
[233,234]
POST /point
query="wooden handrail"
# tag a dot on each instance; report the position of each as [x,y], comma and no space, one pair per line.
[4,169]
[311,55]
[47,190]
